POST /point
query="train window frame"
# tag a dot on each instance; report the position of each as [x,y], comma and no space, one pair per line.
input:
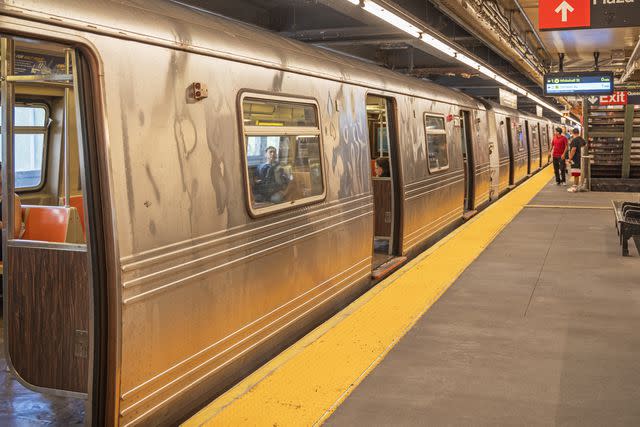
[246,131]
[442,131]
[35,130]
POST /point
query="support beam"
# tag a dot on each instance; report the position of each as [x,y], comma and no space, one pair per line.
[628,135]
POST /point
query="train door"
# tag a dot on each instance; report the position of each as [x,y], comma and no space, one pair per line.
[385,179]
[527,135]
[511,155]
[467,159]
[494,158]
[547,147]
[47,267]
[540,142]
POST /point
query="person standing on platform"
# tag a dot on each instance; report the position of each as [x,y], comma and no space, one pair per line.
[559,152]
[577,142]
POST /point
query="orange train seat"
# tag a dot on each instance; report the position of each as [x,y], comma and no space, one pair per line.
[52,224]
[76,202]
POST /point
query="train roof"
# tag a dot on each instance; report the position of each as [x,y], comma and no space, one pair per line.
[172,24]
[498,108]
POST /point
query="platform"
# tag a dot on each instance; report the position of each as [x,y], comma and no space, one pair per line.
[540,330]
[537,327]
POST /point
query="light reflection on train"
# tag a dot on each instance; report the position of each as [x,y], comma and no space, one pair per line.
[220,229]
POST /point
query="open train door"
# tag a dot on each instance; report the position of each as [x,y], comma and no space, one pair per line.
[466,141]
[381,123]
[47,271]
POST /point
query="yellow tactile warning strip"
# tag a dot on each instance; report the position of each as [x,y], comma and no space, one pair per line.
[606,208]
[305,383]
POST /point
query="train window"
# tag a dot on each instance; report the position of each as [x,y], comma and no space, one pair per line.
[436,143]
[521,142]
[258,112]
[282,152]
[30,129]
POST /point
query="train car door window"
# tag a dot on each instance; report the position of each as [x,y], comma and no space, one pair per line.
[283,153]
[384,170]
[46,268]
[467,158]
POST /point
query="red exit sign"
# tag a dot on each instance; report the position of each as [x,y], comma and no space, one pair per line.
[554,14]
[618,98]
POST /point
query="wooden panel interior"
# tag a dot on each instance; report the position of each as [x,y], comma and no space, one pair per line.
[48,316]
[382,203]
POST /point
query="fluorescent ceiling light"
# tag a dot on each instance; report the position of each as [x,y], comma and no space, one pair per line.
[411,29]
[442,47]
[391,18]
[466,60]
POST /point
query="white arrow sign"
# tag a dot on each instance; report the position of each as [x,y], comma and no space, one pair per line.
[593,99]
[564,7]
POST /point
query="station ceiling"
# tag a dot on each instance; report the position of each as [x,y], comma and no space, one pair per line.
[502,34]
[615,45]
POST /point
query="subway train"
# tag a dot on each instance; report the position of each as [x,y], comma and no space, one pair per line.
[197,194]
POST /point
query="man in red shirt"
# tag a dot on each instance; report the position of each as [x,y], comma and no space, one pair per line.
[560,145]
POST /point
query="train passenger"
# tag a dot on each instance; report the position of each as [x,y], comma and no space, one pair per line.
[270,180]
[577,142]
[559,153]
[382,167]
[18,224]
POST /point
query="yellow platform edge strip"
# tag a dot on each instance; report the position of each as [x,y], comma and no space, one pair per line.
[605,208]
[305,383]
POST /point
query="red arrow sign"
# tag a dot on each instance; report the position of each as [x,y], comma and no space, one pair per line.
[553,14]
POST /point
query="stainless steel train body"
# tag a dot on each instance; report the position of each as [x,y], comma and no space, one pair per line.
[201,286]
[520,151]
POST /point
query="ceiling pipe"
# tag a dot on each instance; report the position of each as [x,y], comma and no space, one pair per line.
[533,29]
[633,63]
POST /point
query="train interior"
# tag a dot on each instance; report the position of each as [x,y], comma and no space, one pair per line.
[384,172]
[45,269]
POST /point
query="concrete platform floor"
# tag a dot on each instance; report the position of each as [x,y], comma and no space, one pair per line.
[21,407]
[542,329]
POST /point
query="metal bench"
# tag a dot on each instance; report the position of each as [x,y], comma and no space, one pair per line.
[627,222]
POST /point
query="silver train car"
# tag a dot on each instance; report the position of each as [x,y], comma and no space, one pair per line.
[233,189]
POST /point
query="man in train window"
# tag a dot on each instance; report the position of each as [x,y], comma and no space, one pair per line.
[271,180]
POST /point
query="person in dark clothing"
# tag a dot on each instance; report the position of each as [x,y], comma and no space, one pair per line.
[559,152]
[382,167]
[270,179]
[575,147]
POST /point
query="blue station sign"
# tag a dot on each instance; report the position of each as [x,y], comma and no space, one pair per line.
[580,84]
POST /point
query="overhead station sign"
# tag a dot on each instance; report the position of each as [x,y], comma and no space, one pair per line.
[578,14]
[584,83]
